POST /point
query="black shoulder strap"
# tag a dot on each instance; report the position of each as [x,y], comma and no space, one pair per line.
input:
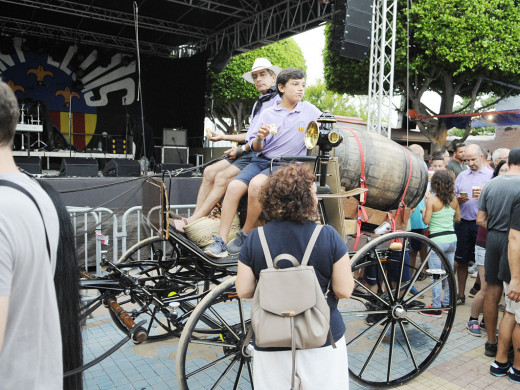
[7,183]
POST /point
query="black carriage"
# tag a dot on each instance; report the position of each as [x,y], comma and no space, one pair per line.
[166,286]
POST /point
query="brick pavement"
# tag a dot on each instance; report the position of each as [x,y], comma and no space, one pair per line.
[151,366]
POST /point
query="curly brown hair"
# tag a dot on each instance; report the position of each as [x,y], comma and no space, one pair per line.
[443,184]
[288,194]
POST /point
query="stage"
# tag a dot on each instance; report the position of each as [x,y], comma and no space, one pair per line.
[67,153]
[116,192]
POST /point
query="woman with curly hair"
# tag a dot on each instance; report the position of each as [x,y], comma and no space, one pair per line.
[442,209]
[289,201]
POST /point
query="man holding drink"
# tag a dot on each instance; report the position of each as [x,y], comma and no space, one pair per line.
[468,186]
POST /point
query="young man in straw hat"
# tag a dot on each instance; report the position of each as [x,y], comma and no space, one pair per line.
[217,176]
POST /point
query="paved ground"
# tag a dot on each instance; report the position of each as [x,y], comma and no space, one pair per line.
[460,365]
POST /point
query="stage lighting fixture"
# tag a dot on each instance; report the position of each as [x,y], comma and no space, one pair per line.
[78,85]
[103,57]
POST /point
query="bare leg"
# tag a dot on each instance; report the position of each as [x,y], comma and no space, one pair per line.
[462,275]
[254,208]
[516,345]
[208,178]
[235,190]
[217,192]
[491,301]
[212,189]
[478,302]
[505,331]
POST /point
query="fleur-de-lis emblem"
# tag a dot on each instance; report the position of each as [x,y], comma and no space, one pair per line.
[15,87]
[67,95]
[40,73]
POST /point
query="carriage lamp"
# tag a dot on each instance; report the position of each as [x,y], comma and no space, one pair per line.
[326,137]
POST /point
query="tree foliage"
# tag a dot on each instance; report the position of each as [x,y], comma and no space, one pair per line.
[233,97]
[339,104]
[456,47]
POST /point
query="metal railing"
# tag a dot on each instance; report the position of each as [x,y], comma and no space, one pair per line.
[85,218]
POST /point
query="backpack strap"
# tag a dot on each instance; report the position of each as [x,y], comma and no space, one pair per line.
[310,245]
[15,186]
[265,247]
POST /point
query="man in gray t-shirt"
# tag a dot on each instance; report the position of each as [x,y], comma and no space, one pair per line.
[30,338]
[494,213]
[494,207]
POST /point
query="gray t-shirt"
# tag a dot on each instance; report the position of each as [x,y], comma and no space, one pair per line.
[496,200]
[31,356]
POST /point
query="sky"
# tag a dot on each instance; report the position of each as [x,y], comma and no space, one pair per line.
[312,43]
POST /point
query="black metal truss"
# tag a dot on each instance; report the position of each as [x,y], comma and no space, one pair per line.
[286,18]
[16,26]
[243,25]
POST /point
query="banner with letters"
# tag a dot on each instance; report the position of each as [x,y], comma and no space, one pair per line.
[86,92]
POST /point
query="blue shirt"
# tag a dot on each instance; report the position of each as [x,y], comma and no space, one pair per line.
[464,183]
[292,237]
[289,139]
[416,221]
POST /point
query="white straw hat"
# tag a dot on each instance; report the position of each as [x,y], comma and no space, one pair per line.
[261,63]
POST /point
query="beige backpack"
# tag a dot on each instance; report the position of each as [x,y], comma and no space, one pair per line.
[289,308]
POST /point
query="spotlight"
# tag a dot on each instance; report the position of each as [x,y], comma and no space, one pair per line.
[78,85]
[126,60]
[104,58]
[6,46]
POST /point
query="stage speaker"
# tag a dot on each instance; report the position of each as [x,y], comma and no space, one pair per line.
[75,166]
[119,167]
[178,155]
[173,167]
[220,61]
[30,164]
[354,41]
[175,137]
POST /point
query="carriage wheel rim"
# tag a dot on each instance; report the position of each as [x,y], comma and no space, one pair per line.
[400,325]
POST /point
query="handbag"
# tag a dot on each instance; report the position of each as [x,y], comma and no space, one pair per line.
[289,309]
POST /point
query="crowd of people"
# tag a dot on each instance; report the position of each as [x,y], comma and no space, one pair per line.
[471,210]
[463,206]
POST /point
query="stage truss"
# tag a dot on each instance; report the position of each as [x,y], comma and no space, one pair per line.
[236,25]
[381,76]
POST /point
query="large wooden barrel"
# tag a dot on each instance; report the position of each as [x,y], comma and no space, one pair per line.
[387,167]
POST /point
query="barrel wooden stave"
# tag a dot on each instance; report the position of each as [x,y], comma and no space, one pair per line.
[386,169]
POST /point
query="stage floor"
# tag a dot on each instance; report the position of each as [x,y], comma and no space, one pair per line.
[44,154]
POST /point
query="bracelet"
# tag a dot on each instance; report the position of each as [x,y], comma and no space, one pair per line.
[259,141]
[243,148]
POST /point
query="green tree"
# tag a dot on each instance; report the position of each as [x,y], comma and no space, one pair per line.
[233,97]
[457,47]
[483,103]
[339,104]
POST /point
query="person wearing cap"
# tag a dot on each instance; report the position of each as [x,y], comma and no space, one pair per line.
[217,176]
[279,132]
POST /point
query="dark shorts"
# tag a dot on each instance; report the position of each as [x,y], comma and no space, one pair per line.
[243,161]
[416,245]
[466,232]
[373,273]
[259,165]
[496,265]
